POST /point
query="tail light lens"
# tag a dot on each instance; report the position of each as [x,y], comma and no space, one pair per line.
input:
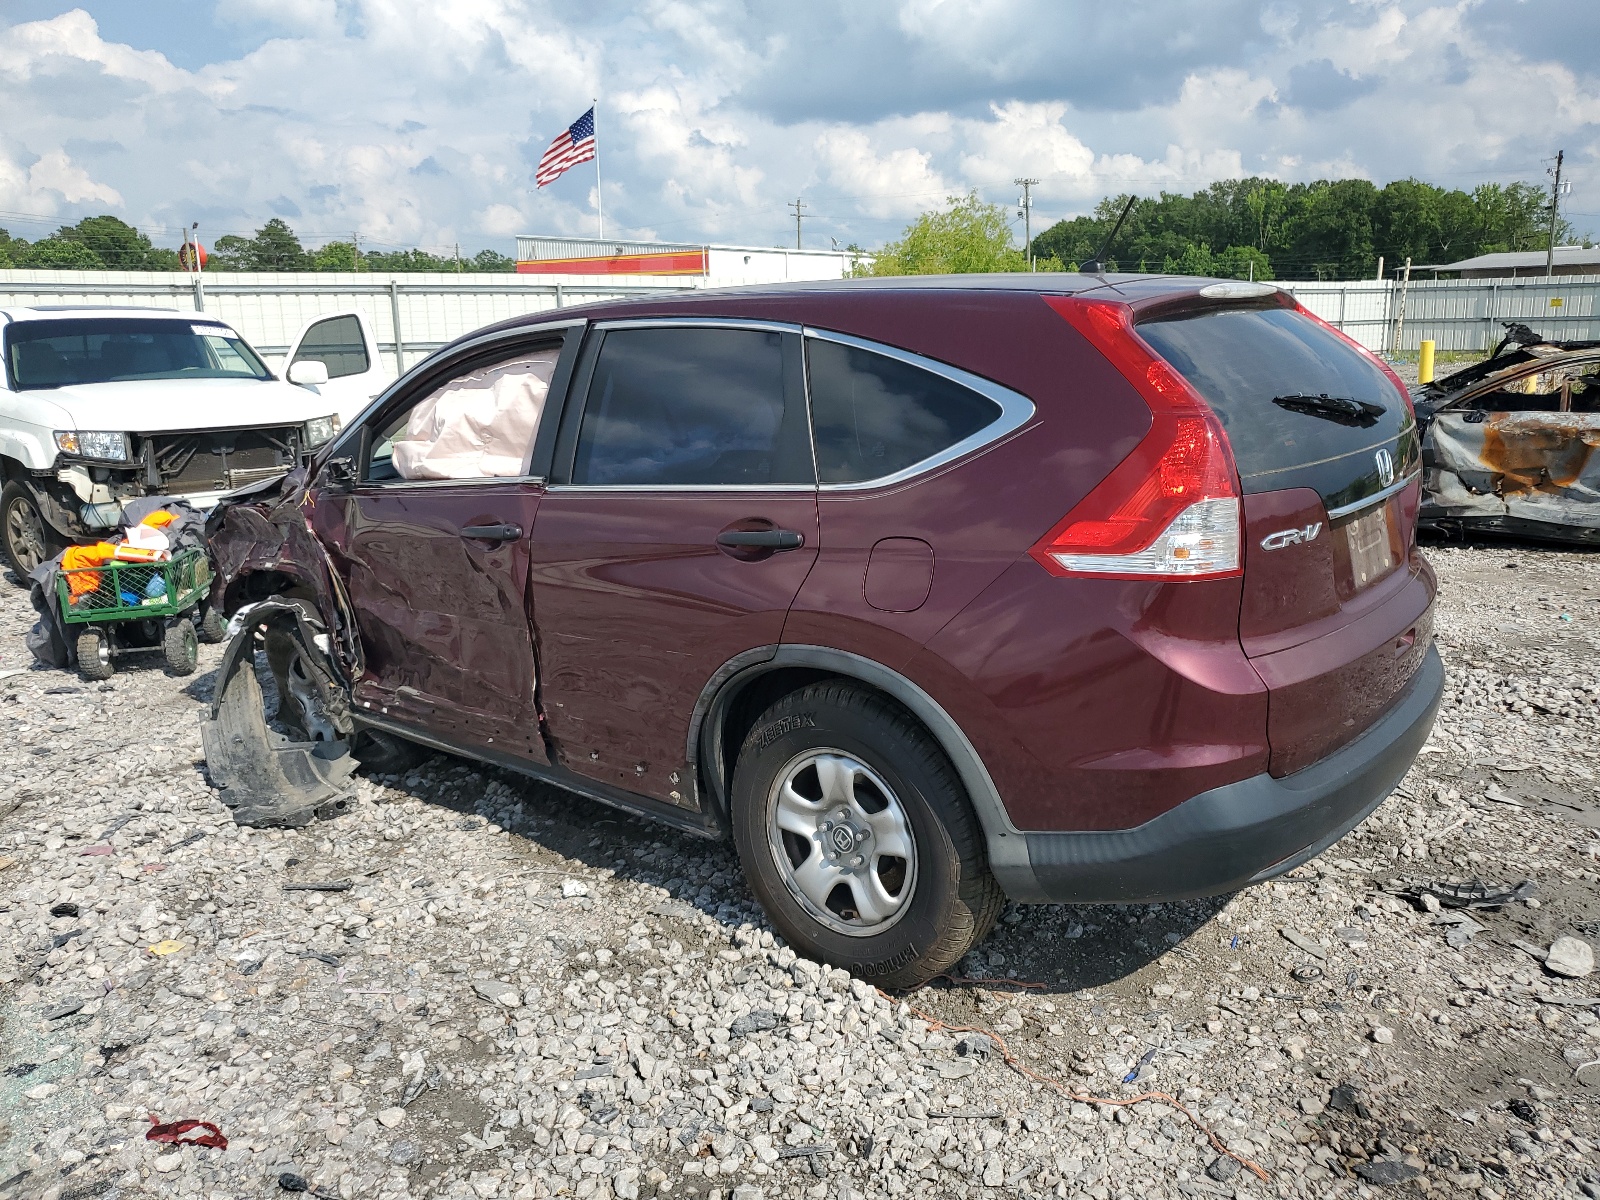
[1170,510]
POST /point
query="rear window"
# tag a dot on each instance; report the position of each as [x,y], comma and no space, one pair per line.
[1241,360]
[875,415]
[692,407]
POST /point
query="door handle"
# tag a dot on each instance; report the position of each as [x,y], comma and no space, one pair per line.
[761,539]
[492,533]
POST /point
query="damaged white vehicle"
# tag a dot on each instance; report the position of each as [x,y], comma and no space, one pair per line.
[102,405]
[1508,444]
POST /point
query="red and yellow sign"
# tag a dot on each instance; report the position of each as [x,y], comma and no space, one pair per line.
[673,262]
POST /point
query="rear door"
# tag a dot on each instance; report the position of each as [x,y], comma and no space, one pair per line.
[682,526]
[346,344]
[1336,603]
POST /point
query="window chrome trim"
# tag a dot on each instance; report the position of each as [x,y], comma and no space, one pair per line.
[791,488]
[754,324]
[1399,485]
[1016,410]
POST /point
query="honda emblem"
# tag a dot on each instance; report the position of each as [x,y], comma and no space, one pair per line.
[1385,467]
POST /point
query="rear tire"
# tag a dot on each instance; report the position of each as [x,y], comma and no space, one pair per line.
[826,775]
[94,655]
[180,647]
[25,536]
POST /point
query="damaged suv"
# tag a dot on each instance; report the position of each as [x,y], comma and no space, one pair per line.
[1508,443]
[925,592]
[99,406]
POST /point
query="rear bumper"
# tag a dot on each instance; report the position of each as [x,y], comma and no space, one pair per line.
[1241,833]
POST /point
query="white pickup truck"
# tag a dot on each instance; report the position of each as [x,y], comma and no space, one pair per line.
[101,405]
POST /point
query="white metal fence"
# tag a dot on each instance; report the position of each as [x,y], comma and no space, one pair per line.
[415,314]
[1459,315]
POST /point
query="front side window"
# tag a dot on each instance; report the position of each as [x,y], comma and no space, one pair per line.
[692,407]
[876,416]
[479,425]
[79,350]
[338,345]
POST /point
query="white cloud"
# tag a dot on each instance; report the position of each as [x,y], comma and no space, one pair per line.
[55,172]
[419,124]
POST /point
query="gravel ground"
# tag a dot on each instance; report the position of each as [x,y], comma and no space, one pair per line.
[521,994]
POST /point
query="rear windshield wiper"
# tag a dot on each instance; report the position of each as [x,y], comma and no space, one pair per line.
[1342,409]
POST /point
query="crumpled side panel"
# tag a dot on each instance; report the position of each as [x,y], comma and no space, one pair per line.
[264,528]
[1532,466]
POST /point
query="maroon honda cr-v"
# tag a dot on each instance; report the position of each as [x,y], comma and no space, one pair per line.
[929,592]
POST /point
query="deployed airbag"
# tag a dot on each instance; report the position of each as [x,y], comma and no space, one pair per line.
[479,425]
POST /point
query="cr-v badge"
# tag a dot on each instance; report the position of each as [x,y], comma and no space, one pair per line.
[1291,537]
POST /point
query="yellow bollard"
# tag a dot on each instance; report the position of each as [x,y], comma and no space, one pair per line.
[1425,362]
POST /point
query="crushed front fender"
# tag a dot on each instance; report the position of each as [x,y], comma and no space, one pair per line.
[265,777]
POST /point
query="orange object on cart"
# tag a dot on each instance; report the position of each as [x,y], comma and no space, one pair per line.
[141,554]
[159,519]
[74,558]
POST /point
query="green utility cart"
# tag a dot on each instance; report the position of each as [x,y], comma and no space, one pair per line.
[140,608]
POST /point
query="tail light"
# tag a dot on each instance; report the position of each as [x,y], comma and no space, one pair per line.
[1405,392]
[1170,510]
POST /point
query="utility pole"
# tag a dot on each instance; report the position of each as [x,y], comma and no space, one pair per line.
[1555,204]
[1025,211]
[355,240]
[797,206]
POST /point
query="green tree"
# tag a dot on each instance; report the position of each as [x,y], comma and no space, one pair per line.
[492,260]
[335,256]
[1243,262]
[409,260]
[965,237]
[57,253]
[118,245]
[273,248]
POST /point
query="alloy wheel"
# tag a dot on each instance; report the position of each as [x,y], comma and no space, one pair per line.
[24,533]
[842,842]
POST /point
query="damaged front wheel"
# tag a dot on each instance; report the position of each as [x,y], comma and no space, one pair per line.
[266,777]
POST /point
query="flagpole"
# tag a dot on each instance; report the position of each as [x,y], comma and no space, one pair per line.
[599,208]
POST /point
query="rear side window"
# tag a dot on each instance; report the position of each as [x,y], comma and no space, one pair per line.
[691,406]
[875,416]
[1242,360]
[337,344]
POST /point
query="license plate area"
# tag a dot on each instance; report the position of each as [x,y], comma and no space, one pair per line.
[1371,546]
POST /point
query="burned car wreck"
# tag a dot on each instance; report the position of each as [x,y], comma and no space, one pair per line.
[1509,443]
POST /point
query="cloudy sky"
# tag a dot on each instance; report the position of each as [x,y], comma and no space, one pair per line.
[418,123]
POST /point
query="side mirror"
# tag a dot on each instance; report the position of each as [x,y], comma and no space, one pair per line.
[308,372]
[339,474]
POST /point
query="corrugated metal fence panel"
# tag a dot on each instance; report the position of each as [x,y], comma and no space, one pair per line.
[1469,314]
[270,308]
[1359,307]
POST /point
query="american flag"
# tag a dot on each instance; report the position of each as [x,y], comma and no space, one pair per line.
[572,146]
